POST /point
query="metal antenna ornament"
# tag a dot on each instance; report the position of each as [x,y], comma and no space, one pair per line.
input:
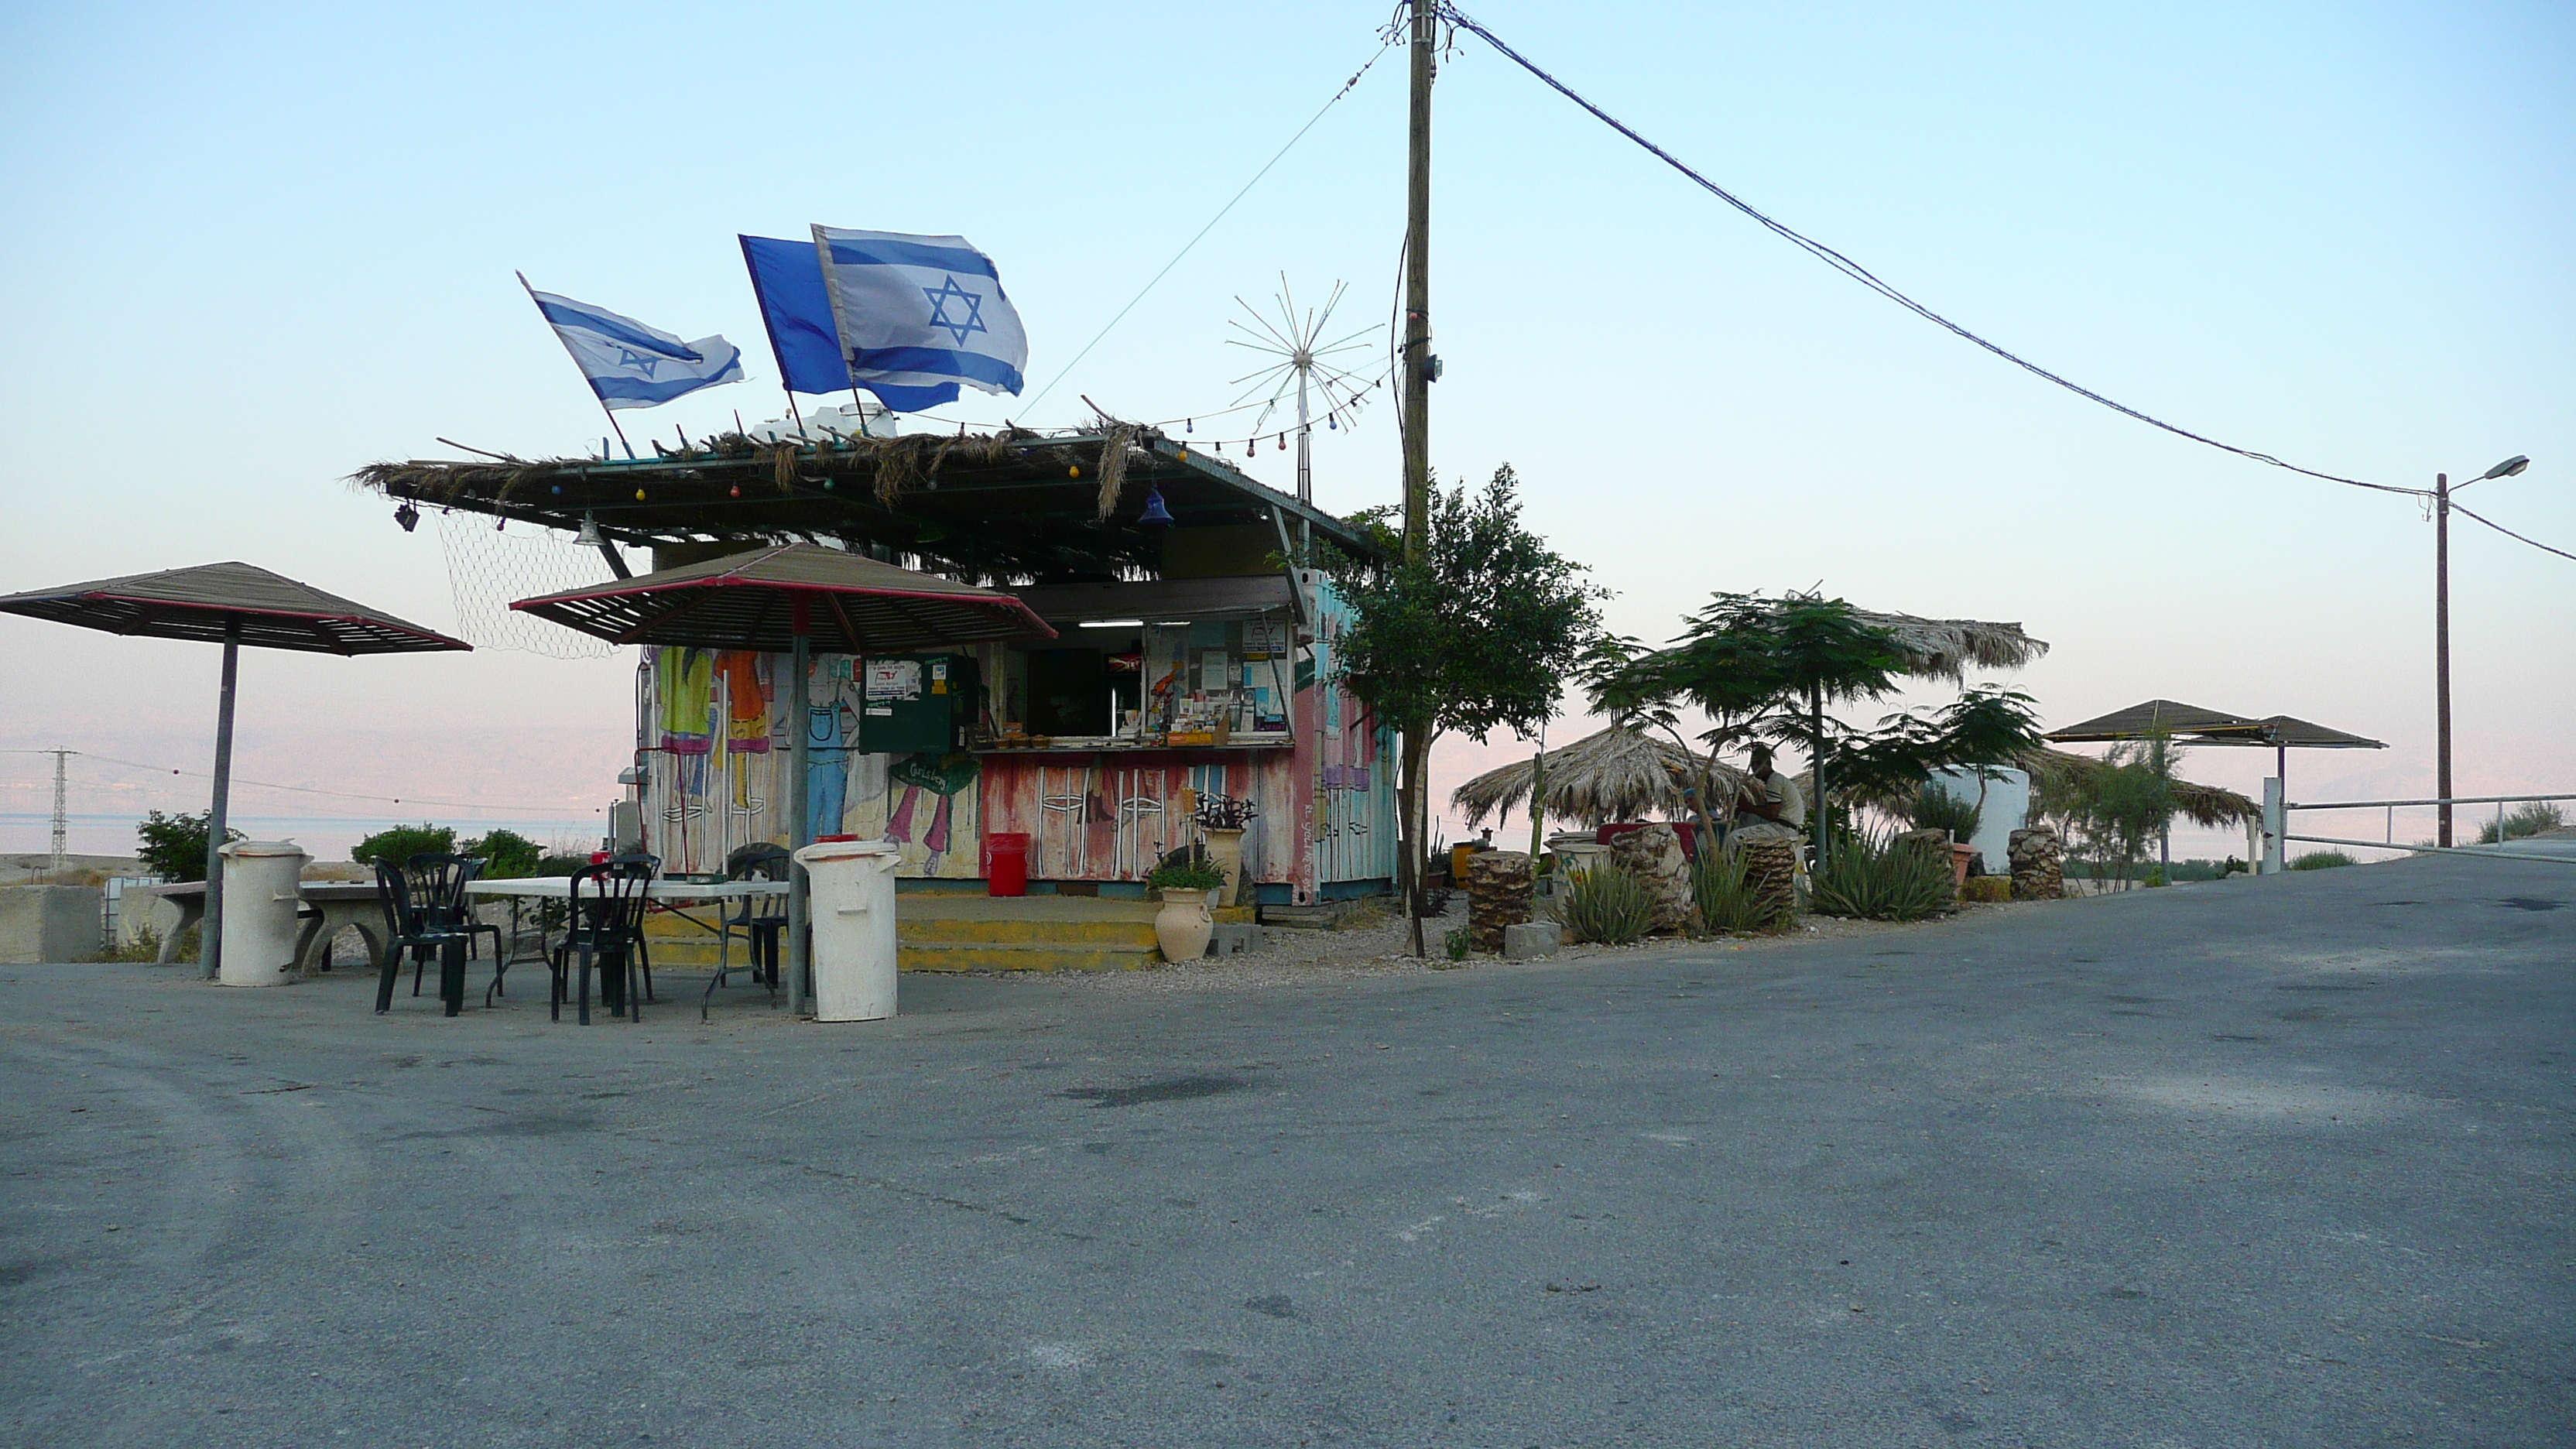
[1305,363]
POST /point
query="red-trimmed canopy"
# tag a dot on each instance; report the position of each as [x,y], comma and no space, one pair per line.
[207,602]
[850,604]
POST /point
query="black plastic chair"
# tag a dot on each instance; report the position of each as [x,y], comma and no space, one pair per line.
[647,868]
[445,877]
[760,920]
[412,922]
[604,928]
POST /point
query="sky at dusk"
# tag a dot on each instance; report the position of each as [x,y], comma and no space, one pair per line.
[245,250]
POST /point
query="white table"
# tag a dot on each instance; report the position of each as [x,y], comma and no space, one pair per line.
[559,887]
[661,892]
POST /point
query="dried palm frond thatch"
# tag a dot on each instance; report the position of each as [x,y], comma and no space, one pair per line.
[2054,773]
[1945,648]
[1620,773]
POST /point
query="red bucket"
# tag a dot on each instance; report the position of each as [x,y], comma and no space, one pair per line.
[1006,863]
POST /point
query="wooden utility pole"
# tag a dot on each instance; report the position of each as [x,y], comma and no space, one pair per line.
[1415,371]
[2441,655]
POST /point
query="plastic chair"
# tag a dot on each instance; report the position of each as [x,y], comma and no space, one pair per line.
[412,921]
[604,927]
[646,868]
[445,877]
[761,920]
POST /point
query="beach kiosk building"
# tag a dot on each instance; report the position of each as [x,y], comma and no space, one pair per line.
[1194,658]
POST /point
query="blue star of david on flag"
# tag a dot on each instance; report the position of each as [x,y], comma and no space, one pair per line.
[948,291]
[628,364]
[878,283]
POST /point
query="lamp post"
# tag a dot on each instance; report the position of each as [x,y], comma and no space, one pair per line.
[2442,630]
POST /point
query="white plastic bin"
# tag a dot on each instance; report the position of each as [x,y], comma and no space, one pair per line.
[851,896]
[262,892]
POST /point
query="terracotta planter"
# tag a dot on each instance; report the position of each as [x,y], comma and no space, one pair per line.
[1182,927]
[1225,852]
[1959,866]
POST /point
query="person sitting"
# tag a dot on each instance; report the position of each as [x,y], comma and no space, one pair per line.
[1768,805]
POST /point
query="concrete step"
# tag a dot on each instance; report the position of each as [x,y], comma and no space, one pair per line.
[1109,933]
[932,955]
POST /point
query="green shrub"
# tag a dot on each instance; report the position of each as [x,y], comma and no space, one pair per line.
[1607,904]
[506,854]
[1458,942]
[173,847]
[1185,875]
[1937,809]
[2322,860]
[1727,901]
[1880,878]
[555,865]
[2525,821]
[400,844]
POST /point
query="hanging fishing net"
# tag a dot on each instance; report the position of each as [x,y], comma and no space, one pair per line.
[489,566]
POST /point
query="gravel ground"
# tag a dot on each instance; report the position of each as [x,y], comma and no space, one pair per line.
[1375,947]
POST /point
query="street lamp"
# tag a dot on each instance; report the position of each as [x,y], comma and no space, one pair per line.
[2442,627]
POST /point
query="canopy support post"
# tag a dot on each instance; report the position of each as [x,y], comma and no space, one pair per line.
[211,942]
[800,735]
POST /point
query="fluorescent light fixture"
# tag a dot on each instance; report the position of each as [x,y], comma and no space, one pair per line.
[1111,624]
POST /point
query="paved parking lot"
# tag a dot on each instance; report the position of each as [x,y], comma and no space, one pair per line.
[2265,1163]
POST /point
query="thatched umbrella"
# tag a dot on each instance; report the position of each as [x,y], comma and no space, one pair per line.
[2054,772]
[1944,648]
[1620,773]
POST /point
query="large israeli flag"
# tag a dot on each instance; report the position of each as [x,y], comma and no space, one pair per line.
[916,311]
[629,364]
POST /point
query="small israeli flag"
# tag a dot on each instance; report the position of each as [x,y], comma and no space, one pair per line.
[916,311]
[629,364]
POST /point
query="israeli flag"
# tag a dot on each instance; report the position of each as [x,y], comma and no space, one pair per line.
[916,311]
[629,364]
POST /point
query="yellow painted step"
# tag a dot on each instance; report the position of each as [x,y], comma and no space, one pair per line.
[1007,956]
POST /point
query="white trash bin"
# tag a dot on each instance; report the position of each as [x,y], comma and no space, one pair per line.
[262,892]
[851,900]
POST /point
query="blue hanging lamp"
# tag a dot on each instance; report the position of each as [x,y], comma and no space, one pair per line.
[1155,514]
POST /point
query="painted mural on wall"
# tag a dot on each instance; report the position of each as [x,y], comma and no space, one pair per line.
[717,753]
[713,735]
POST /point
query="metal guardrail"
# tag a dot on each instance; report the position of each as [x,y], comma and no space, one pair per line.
[2276,826]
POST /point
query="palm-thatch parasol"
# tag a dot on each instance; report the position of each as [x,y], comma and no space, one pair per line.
[1620,773]
[232,604]
[1944,648]
[2055,772]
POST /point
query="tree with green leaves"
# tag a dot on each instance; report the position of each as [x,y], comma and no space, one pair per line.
[173,847]
[1479,634]
[1768,668]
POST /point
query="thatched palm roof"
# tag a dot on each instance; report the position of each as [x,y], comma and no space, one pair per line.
[2054,774]
[1620,773]
[2208,806]
[1945,648]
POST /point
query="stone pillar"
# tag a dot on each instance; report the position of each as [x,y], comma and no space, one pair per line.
[1654,855]
[1498,895]
[2038,865]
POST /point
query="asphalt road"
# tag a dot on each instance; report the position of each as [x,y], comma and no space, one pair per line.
[2269,1163]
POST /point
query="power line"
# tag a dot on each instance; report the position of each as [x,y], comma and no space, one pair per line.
[306,789]
[1030,406]
[1866,278]
[2509,533]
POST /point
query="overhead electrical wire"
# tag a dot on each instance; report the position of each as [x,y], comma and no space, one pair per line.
[1347,87]
[318,790]
[1866,278]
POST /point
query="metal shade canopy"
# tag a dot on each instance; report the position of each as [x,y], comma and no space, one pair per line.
[792,598]
[852,604]
[2279,733]
[231,604]
[2165,716]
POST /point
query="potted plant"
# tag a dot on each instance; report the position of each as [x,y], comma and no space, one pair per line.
[1182,927]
